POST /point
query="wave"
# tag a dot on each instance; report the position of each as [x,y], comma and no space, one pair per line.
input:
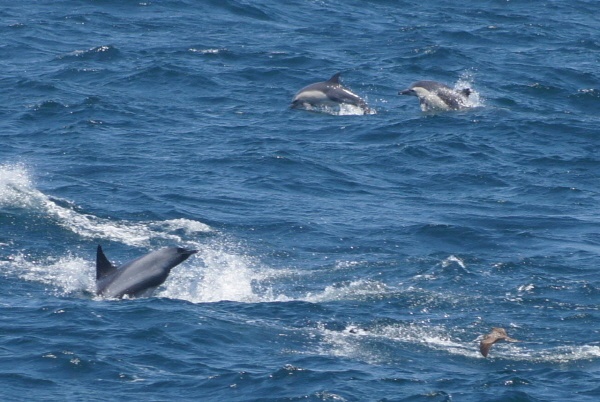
[17,191]
[356,342]
[97,53]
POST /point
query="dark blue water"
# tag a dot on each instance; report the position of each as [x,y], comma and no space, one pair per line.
[342,257]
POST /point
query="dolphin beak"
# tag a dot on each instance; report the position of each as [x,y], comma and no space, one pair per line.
[186,252]
[405,92]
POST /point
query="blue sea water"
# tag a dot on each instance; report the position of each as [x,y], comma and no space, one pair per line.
[341,257]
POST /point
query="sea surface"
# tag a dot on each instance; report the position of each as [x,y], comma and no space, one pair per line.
[342,257]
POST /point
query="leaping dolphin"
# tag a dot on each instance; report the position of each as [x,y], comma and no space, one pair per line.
[497,334]
[327,93]
[437,96]
[138,277]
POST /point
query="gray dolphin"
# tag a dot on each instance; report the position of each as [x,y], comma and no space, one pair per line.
[138,277]
[327,93]
[437,96]
[497,334]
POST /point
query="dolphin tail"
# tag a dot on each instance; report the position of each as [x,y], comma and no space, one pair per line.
[466,92]
[103,265]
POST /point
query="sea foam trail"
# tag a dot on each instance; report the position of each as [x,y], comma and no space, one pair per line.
[356,342]
[220,272]
[17,191]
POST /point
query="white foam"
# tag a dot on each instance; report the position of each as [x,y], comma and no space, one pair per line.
[66,275]
[342,109]
[207,51]
[217,275]
[15,184]
[17,191]
[453,259]
[355,342]
[353,110]
[347,291]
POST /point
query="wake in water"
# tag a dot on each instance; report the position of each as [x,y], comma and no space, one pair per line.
[356,342]
[221,273]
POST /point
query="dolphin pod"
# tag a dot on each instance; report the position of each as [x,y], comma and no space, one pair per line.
[433,96]
[138,277]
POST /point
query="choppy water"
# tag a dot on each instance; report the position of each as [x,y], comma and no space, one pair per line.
[342,257]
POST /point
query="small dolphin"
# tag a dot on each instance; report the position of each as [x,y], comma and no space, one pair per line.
[436,96]
[327,93]
[137,277]
[497,334]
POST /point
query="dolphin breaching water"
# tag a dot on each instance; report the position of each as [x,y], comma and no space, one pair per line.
[138,277]
[328,93]
[437,96]
[497,334]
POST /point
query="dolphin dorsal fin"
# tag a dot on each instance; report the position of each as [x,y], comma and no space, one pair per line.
[103,266]
[335,79]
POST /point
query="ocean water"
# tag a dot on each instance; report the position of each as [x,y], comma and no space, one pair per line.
[342,257]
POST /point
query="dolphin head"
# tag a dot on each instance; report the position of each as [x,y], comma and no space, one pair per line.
[423,88]
[408,91]
[179,254]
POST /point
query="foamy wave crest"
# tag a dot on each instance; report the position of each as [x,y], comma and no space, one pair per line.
[17,191]
[356,342]
[68,275]
[555,355]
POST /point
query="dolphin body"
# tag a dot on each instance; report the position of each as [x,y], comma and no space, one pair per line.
[327,93]
[437,96]
[138,277]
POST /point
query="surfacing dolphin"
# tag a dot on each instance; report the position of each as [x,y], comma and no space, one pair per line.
[328,93]
[497,334]
[139,277]
[437,96]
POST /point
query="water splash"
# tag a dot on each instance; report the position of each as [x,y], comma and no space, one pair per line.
[358,289]
[343,109]
[220,273]
[466,80]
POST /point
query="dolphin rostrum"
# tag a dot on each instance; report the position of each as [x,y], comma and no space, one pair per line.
[138,277]
[497,334]
[328,93]
[437,96]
